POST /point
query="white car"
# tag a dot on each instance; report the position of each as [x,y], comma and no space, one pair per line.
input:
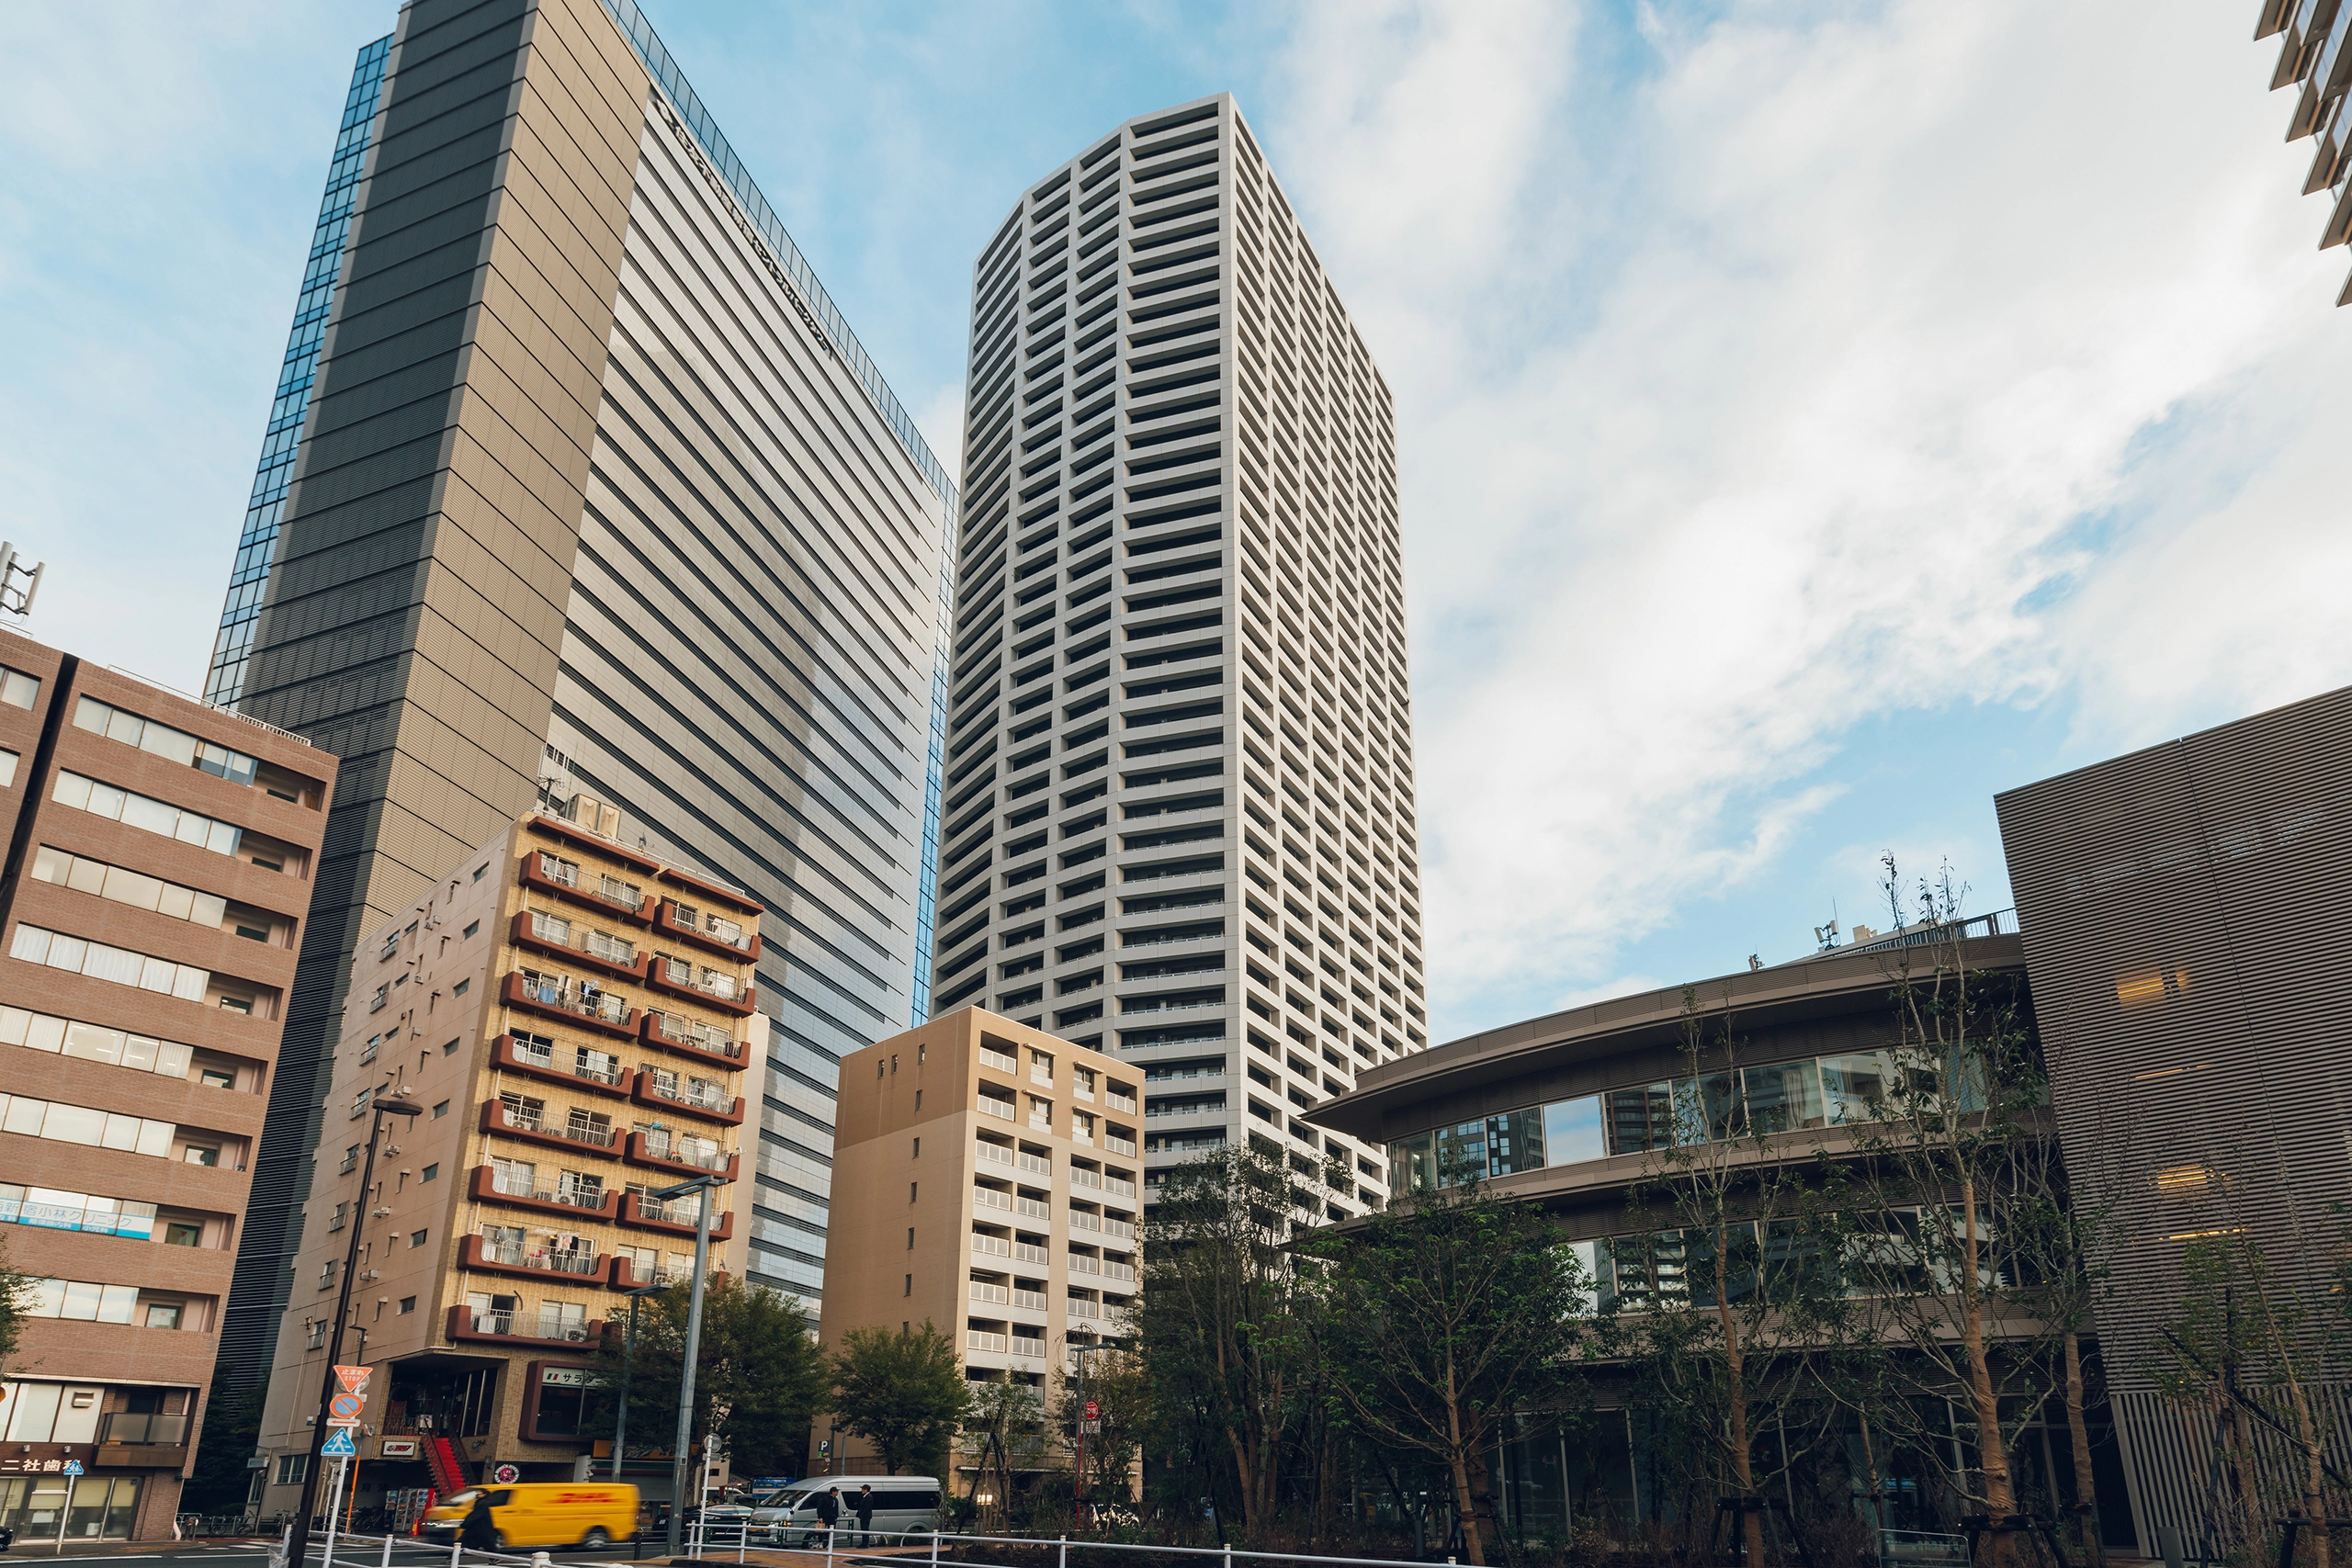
[903,1505]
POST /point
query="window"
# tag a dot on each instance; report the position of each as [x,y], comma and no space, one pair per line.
[417,1239]
[51,1208]
[121,965]
[179,1233]
[163,1314]
[468,933]
[449,1048]
[94,1043]
[440,1110]
[431,1173]
[360,1101]
[408,1304]
[145,812]
[460,989]
[217,1077]
[383,994]
[162,740]
[83,1124]
[18,689]
[7,769]
[480,869]
[314,1334]
[81,1303]
[291,1468]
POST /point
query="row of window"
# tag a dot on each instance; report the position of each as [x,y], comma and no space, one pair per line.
[162,741]
[1825,1091]
[121,885]
[80,1302]
[119,965]
[49,1208]
[64,1123]
[96,1042]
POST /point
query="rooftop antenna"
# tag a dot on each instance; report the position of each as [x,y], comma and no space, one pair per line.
[14,597]
[1827,935]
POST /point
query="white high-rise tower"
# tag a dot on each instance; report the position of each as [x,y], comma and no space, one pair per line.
[1179,798]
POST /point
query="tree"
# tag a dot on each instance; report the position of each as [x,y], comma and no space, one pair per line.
[1002,1422]
[15,1301]
[1221,1326]
[1119,1389]
[903,1391]
[759,1376]
[1449,1325]
[1947,1142]
[1730,1314]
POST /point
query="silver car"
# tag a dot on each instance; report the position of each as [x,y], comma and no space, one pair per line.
[903,1505]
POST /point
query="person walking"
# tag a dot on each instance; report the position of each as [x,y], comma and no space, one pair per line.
[863,1502]
[479,1530]
[829,1510]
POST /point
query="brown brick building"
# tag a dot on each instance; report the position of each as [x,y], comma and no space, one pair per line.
[158,876]
[574,1016]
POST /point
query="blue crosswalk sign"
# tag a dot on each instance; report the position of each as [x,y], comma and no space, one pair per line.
[339,1445]
[72,1467]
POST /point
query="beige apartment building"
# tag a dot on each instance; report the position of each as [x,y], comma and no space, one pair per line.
[985,1178]
[159,873]
[574,1016]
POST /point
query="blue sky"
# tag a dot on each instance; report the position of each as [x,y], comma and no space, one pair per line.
[1815,417]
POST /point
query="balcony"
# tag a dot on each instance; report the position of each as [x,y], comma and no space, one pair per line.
[1120,1141]
[725,1108]
[641,1150]
[549,1066]
[466,1323]
[675,1218]
[675,977]
[497,1116]
[991,1106]
[130,1426]
[553,997]
[713,934]
[583,887]
[1118,1101]
[690,1038]
[488,1186]
[980,1340]
[574,949]
[626,1278]
[481,1255]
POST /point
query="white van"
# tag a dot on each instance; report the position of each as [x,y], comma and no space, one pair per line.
[903,1505]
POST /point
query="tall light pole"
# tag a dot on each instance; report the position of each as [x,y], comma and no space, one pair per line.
[628,1365]
[299,1549]
[1078,1462]
[703,1184]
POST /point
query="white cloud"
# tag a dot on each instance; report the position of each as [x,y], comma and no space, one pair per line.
[1910,357]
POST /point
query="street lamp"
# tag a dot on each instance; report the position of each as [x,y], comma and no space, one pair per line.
[628,1363]
[703,1184]
[1078,1462]
[298,1548]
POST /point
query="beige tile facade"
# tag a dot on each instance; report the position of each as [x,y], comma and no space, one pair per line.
[985,1179]
[574,1016]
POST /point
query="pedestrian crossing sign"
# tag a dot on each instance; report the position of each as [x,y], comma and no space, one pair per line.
[339,1445]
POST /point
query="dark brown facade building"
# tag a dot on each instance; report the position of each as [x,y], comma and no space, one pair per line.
[158,875]
[2185,936]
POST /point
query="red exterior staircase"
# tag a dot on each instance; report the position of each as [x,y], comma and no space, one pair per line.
[448,1474]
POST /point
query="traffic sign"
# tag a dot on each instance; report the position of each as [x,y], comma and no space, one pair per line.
[344,1409]
[354,1379]
[72,1467]
[1093,1410]
[339,1445]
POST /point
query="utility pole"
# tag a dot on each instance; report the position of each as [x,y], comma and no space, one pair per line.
[628,1365]
[298,1548]
[704,1185]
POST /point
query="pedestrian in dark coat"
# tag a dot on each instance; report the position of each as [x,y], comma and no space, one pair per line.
[478,1531]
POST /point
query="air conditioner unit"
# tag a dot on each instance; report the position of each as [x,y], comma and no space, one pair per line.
[381,1210]
[371,1275]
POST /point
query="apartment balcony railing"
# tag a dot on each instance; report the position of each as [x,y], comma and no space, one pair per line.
[705,930]
[998,1294]
[643,1149]
[989,1198]
[491,1185]
[585,887]
[676,1218]
[978,1339]
[143,1426]
[531,1127]
[1111,1270]
[559,1066]
[1079,1178]
[1028,1252]
[1112,1184]
[1033,1208]
[692,1037]
[721,991]
[991,1245]
[1114,1226]
[1081,1264]
[711,1104]
[1085,1309]
[555,996]
[466,1323]
[994,1154]
[999,1060]
[1117,1144]
[1129,1009]
[555,935]
[1161,1110]
[991,1106]
[1029,1301]
[479,1252]
[1028,1344]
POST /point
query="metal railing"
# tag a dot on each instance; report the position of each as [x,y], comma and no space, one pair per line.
[510,1256]
[700,1037]
[507,1186]
[137,1427]
[724,1104]
[698,1159]
[515,1326]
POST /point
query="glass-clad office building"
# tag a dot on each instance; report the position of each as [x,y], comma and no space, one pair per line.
[599,494]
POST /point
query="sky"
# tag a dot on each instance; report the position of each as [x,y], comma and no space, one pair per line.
[1812,418]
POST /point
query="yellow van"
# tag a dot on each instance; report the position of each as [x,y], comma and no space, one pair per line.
[593,1513]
